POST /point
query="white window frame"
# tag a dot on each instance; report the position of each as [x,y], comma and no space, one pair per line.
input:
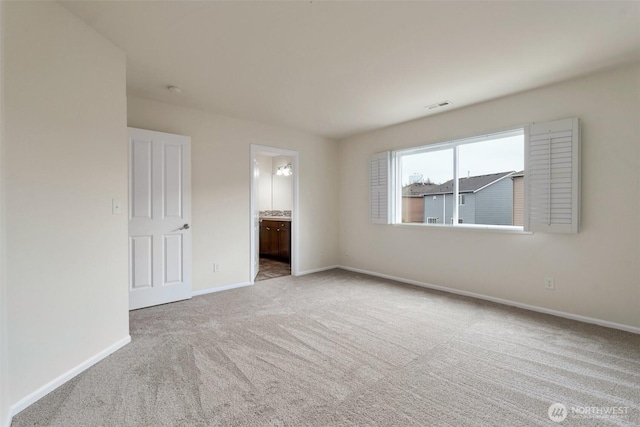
[429,218]
[397,155]
[461,200]
[551,179]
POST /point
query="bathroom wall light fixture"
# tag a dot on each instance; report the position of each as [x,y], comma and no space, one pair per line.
[284,170]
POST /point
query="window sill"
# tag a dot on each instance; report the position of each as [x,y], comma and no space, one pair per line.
[468,227]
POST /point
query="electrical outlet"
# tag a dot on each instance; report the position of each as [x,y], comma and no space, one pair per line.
[216,268]
[549,283]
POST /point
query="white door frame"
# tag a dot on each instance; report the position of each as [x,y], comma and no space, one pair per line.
[295,211]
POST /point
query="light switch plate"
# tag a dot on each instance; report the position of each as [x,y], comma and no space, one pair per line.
[116,206]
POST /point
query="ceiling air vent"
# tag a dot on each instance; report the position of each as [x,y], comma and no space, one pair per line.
[438,105]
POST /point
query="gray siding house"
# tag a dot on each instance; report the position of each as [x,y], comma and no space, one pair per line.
[484,199]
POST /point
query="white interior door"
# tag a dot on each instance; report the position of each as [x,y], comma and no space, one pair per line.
[159,218]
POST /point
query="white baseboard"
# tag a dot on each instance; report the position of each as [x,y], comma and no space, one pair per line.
[566,315]
[317,270]
[57,382]
[8,421]
[220,288]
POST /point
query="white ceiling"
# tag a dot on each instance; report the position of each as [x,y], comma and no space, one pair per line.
[340,68]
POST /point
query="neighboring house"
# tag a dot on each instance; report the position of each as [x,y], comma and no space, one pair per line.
[484,199]
[413,202]
[518,198]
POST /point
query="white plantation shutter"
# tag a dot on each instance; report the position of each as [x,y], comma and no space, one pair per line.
[379,179]
[552,178]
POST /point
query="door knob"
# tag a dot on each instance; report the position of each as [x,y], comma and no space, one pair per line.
[185,227]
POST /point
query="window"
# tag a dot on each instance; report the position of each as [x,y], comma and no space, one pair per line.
[527,178]
[476,172]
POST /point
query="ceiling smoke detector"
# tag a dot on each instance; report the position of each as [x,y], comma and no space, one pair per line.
[174,89]
[438,105]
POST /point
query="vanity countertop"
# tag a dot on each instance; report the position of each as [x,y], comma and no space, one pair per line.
[276,218]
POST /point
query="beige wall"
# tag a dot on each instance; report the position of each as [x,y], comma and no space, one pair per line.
[221,188]
[596,272]
[65,158]
[4,354]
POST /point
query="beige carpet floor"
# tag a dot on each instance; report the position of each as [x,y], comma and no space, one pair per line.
[343,349]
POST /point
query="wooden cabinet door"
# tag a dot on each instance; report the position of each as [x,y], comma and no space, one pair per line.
[284,244]
[275,239]
[273,242]
[269,238]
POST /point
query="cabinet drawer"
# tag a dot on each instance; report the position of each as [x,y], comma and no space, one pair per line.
[282,225]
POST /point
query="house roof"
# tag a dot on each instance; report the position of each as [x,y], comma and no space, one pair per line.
[417,189]
[469,185]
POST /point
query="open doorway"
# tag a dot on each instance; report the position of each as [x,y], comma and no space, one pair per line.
[274,212]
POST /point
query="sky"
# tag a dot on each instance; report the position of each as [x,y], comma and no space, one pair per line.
[480,158]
